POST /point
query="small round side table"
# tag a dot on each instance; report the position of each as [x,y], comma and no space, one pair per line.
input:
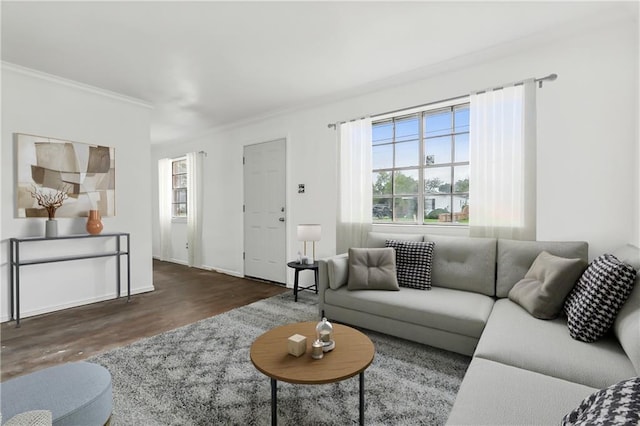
[301,267]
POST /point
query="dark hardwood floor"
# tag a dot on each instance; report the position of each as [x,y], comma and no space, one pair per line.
[182,296]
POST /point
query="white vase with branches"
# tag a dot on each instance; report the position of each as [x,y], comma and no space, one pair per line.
[51,201]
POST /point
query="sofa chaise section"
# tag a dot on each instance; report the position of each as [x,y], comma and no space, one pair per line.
[493,393]
[513,337]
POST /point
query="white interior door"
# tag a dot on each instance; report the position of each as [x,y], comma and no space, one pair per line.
[264,211]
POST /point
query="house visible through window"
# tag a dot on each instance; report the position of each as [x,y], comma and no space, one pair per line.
[421,166]
[179,187]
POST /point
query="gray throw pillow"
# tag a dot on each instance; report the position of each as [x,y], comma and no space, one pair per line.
[545,286]
[372,269]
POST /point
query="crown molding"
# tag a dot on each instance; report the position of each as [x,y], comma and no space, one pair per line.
[74,84]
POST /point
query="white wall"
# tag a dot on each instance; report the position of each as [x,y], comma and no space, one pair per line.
[44,105]
[587,145]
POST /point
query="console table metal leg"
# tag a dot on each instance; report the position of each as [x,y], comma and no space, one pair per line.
[362,398]
[274,402]
[128,269]
[11,277]
[118,258]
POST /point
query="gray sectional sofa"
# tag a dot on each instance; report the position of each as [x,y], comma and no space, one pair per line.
[523,370]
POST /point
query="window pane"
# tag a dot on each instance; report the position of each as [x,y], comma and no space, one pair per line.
[461,179]
[437,123]
[462,147]
[179,195]
[460,208]
[437,180]
[179,210]
[381,183]
[407,154]
[382,157]
[180,181]
[437,209]
[461,119]
[382,132]
[382,209]
[405,182]
[407,129]
[438,150]
[406,209]
[179,166]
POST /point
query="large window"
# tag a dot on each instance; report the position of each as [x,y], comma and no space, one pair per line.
[421,167]
[179,187]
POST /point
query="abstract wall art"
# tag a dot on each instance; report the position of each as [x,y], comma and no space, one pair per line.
[86,172]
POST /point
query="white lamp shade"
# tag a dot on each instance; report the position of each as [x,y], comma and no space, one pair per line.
[309,232]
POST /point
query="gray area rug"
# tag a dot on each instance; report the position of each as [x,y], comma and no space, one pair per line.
[201,374]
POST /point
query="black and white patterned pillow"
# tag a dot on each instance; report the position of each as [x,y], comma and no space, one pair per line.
[597,297]
[413,263]
[616,405]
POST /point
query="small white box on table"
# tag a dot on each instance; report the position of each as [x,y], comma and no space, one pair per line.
[297,345]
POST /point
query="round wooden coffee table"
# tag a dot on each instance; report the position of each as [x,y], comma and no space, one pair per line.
[353,354]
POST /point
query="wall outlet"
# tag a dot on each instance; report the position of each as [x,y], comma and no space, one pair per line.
[301,188]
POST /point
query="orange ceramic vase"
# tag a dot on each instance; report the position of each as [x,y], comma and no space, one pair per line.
[94,224]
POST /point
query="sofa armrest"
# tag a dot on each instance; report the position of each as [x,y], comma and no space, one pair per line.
[332,273]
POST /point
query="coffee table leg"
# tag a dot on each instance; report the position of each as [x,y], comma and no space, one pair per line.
[274,402]
[362,398]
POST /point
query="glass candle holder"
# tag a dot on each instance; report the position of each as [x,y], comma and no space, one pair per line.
[324,334]
[324,331]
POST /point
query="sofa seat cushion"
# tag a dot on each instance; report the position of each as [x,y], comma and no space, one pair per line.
[454,311]
[497,394]
[514,337]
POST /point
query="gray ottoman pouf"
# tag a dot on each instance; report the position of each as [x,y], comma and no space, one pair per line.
[77,393]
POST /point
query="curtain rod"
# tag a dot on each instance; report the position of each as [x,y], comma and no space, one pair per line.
[550,77]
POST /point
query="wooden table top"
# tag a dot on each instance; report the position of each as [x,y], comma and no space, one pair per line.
[353,353]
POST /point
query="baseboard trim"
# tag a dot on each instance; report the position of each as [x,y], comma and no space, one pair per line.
[76,303]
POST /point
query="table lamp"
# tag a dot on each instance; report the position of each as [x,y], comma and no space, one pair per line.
[309,232]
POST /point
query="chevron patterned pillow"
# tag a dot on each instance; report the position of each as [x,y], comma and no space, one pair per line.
[618,404]
[594,302]
[413,263]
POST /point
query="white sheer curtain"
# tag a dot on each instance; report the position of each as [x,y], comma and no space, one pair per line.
[354,184]
[194,208]
[502,151]
[164,207]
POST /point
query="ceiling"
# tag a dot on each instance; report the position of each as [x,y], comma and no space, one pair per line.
[208,64]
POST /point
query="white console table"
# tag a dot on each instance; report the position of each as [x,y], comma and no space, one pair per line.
[16,263]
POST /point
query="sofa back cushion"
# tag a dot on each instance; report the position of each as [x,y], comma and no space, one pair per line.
[627,324]
[516,257]
[378,239]
[464,263]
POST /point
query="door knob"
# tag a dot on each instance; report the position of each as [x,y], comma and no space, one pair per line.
[281,219]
